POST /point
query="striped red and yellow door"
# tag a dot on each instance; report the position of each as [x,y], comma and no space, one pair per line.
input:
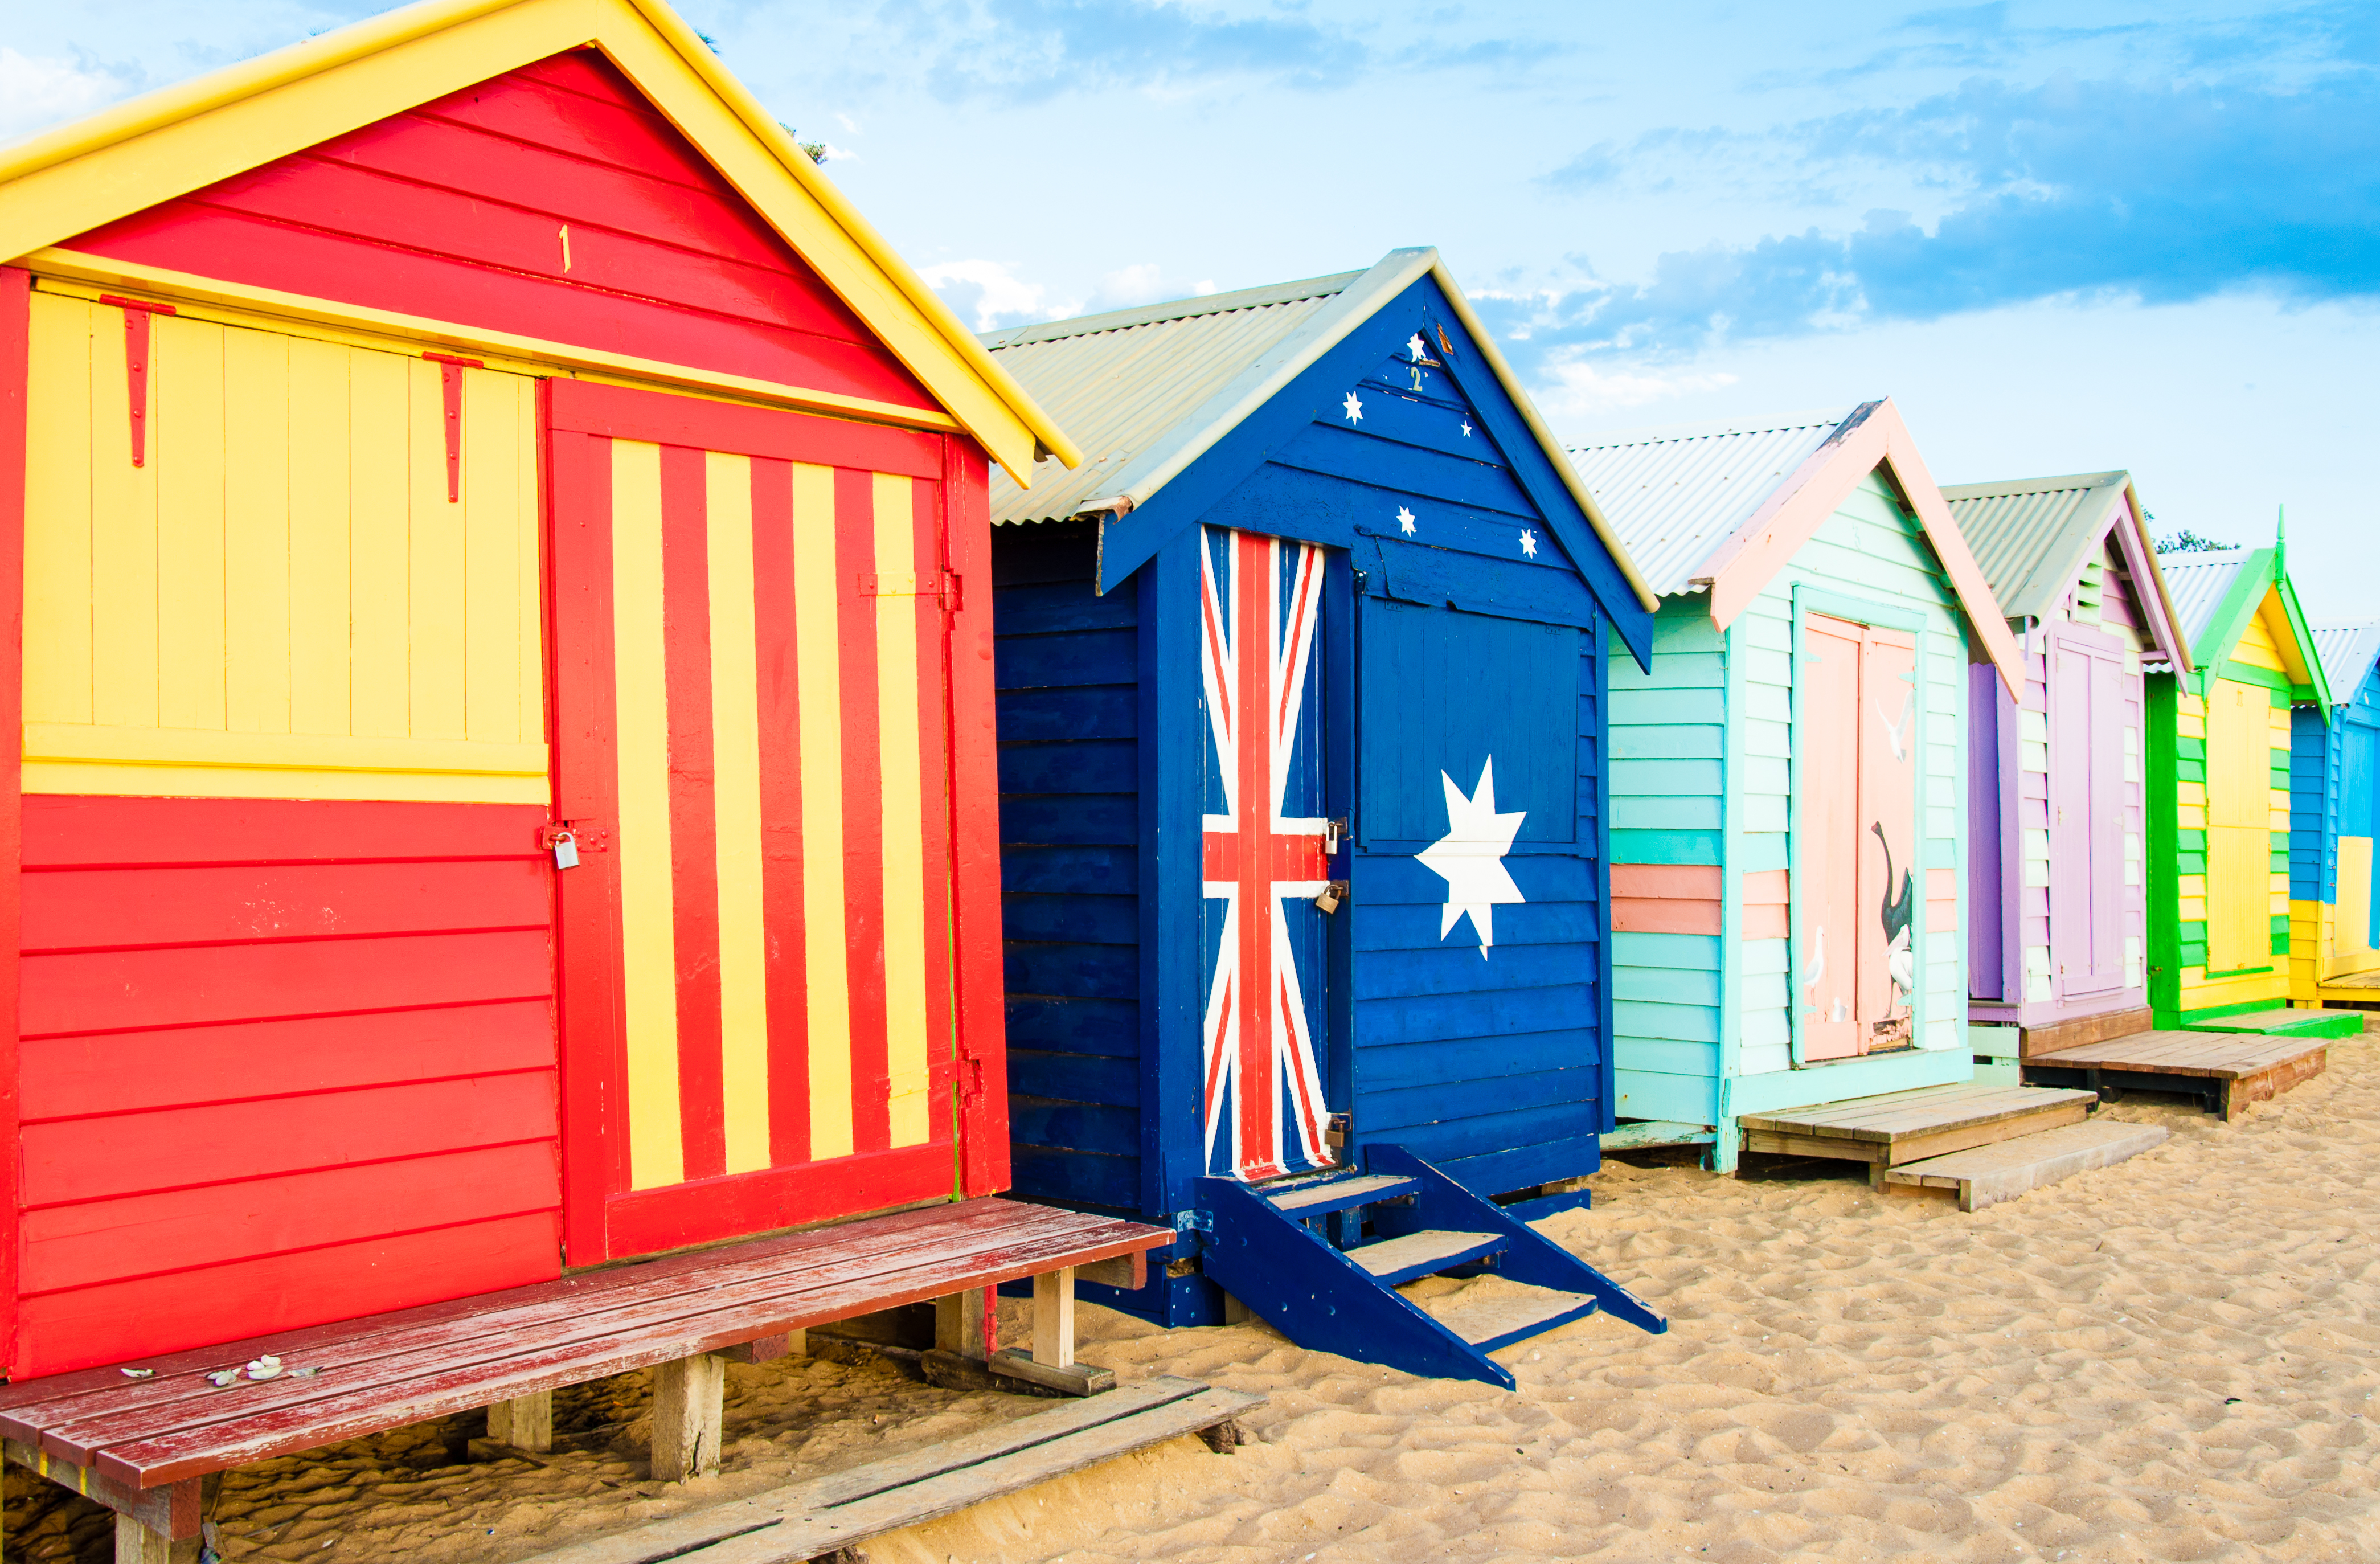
[753,752]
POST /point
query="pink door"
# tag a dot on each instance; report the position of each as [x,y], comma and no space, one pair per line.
[1855,877]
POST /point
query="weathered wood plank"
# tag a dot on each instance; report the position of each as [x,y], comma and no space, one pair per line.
[696,1536]
[2005,1169]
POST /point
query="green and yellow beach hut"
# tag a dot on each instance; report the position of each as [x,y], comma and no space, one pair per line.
[2218,792]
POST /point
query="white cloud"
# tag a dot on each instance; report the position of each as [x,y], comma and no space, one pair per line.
[1128,285]
[839,154]
[1580,390]
[38,92]
[849,124]
[993,294]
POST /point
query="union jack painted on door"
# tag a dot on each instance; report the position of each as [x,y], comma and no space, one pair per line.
[1265,855]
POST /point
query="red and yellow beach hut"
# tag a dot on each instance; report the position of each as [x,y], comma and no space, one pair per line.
[506,688]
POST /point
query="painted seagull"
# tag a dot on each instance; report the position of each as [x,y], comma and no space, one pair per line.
[1899,959]
[1897,732]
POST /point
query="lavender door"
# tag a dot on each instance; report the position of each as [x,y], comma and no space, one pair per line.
[1987,919]
[2087,681]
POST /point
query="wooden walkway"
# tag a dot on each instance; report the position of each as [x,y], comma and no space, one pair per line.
[1990,1174]
[2284,1023]
[823,1515]
[1899,1127]
[2227,1071]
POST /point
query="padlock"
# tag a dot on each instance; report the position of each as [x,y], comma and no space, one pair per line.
[566,850]
[1332,894]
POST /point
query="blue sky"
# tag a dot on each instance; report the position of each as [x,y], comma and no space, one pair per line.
[2063,237]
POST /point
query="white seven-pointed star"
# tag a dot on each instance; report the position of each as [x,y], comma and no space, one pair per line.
[1404,519]
[1354,406]
[1470,857]
[1418,348]
[1528,542]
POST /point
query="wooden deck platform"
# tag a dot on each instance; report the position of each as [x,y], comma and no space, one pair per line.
[2285,1023]
[819,1517]
[1900,1127]
[2008,1168]
[2227,1071]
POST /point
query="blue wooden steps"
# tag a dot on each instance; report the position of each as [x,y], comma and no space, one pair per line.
[1335,1289]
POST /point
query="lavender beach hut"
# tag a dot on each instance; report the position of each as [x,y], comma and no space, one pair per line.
[2058,943]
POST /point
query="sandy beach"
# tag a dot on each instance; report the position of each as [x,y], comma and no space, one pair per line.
[2168,1360]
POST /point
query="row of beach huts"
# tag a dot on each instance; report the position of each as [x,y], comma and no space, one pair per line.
[599,776]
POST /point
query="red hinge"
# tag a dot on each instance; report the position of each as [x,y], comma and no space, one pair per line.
[941,584]
[450,382]
[136,365]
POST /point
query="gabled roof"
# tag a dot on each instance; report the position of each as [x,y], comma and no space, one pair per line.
[2031,536]
[2217,593]
[1149,390]
[2347,652]
[183,138]
[1724,506]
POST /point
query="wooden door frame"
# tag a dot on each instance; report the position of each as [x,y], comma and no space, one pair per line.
[602,1217]
[1809,599]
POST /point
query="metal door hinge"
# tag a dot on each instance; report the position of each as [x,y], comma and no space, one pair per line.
[943,584]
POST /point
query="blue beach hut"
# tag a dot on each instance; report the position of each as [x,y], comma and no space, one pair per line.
[2333,817]
[1301,714]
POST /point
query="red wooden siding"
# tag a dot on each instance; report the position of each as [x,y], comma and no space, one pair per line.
[457,210]
[282,1063]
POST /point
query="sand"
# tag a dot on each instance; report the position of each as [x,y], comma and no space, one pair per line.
[2173,1359]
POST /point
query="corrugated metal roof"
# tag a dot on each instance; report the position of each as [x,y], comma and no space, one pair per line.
[2347,652]
[2198,582]
[1675,493]
[1121,381]
[2031,536]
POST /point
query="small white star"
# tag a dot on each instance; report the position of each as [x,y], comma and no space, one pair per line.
[1466,429]
[1528,542]
[1354,406]
[1418,348]
[1404,519]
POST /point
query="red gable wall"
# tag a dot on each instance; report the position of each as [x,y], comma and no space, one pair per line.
[457,211]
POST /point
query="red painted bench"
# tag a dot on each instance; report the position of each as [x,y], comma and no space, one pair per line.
[141,1445]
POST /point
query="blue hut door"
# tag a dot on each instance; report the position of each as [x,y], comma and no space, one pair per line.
[1265,854]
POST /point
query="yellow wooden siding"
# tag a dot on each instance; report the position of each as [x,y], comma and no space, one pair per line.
[2256,646]
[282,603]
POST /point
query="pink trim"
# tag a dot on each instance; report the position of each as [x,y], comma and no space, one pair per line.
[2133,541]
[1747,561]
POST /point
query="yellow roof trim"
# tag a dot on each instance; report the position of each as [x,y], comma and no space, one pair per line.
[183,138]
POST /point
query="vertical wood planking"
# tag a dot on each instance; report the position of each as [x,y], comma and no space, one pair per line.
[256,532]
[685,615]
[737,832]
[817,599]
[647,916]
[907,1084]
[384,476]
[188,448]
[124,541]
[936,733]
[863,839]
[55,435]
[321,497]
[494,631]
[778,737]
[437,563]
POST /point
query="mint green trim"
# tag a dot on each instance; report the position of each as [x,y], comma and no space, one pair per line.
[1726,1147]
[1809,599]
[1635,846]
[2231,618]
[1843,1080]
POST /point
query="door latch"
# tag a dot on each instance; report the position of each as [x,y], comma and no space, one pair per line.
[568,838]
[1332,894]
[1334,835]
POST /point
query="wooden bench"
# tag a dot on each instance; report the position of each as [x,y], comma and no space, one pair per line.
[138,1438]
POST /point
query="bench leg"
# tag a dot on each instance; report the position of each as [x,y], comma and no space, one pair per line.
[958,1324]
[138,1544]
[526,1423]
[687,1417]
[1053,1318]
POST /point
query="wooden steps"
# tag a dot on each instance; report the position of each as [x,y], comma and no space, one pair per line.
[806,1520]
[1901,1127]
[2285,1023]
[2227,1071]
[2005,1169]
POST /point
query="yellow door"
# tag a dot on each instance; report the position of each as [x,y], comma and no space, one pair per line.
[2238,851]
